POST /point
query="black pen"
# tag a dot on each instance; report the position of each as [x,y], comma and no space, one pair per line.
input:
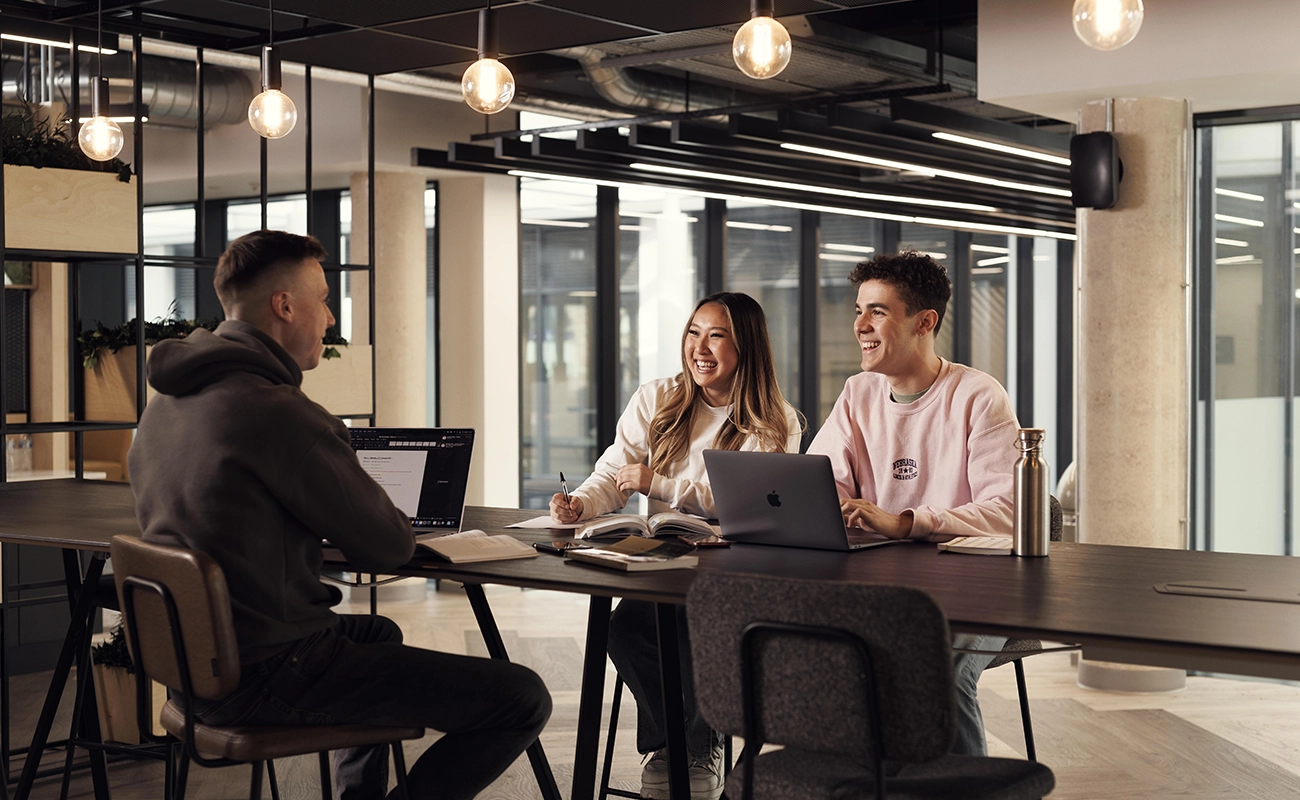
[564,487]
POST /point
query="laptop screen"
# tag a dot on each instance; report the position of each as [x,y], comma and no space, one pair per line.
[424,470]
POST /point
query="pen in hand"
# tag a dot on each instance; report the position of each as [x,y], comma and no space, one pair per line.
[564,487]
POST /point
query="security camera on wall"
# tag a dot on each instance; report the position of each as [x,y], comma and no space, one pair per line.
[1095,170]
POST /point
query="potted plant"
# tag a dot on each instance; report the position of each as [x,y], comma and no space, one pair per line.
[115,688]
[341,383]
[58,199]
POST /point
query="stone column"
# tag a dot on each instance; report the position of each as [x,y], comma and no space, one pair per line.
[479,319]
[1132,449]
[401,335]
[1133,316]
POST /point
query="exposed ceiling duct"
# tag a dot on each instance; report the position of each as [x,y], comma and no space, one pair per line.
[647,91]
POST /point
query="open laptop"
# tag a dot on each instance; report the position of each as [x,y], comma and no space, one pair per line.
[783,499]
[424,471]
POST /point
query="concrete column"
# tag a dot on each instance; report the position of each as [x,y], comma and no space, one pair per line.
[400,284]
[1133,317]
[1132,452]
[479,320]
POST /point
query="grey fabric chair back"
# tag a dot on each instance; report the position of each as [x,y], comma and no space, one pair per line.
[197,589]
[811,693]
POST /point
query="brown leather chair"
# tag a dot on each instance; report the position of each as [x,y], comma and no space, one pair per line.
[176,609]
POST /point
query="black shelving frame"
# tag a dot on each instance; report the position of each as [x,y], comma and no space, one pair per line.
[13,597]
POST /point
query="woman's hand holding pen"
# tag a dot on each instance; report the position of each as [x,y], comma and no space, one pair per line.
[635,478]
[566,510]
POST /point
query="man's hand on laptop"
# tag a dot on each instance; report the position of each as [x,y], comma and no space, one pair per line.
[868,515]
[566,511]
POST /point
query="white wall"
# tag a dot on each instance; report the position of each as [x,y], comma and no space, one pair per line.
[1219,55]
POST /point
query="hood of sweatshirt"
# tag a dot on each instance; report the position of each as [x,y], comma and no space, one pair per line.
[184,366]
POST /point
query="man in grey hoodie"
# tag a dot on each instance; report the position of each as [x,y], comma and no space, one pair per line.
[233,460]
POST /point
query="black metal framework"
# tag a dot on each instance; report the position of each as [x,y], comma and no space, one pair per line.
[1024,311]
[1065,286]
[607,301]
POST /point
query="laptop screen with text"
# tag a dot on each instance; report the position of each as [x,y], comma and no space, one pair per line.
[423,470]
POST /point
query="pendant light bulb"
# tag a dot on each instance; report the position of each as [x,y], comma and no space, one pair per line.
[272,113]
[1107,24]
[101,138]
[487,86]
[762,46]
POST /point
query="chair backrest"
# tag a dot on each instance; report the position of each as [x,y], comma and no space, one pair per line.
[811,693]
[196,588]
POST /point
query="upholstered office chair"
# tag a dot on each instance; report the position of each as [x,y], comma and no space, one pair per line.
[1015,650]
[177,614]
[855,681]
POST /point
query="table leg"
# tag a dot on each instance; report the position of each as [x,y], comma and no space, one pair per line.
[670,673]
[74,639]
[591,699]
[496,648]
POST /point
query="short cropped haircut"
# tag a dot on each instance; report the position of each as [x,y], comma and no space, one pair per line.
[921,282]
[258,255]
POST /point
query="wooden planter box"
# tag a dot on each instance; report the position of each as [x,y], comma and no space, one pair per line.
[341,384]
[110,387]
[68,209]
[115,696]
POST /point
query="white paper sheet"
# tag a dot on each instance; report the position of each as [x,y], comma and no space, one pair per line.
[546,522]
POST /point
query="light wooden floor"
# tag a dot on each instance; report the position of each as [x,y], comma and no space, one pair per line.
[1218,739]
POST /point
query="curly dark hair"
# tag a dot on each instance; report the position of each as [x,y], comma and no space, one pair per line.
[921,282]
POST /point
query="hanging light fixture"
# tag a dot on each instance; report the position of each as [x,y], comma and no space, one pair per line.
[1107,24]
[487,85]
[762,45]
[101,138]
[272,114]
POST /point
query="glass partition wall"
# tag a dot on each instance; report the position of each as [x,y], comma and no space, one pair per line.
[1244,489]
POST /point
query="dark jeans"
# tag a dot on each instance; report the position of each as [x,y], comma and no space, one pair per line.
[634,649]
[360,672]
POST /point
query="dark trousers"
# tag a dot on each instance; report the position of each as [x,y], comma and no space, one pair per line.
[360,672]
[634,649]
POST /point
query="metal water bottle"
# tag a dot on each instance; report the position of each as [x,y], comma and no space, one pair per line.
[1032,530]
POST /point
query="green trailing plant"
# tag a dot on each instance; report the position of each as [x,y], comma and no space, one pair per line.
[114,651]
[30,141]
[91,342]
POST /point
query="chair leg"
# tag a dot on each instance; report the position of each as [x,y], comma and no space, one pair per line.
[325,775]
[609,740]
[1024,710]
[399,767]
[182,770]
[255,786]
[270,774]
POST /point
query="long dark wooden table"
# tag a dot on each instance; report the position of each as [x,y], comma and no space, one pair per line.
[1100,596]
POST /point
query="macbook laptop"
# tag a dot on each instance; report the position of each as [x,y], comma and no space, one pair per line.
[424,471]
[782,499]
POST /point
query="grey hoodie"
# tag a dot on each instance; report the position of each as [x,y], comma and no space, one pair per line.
[233,460]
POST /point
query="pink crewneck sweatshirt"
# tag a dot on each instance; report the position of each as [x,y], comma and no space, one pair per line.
[947,457]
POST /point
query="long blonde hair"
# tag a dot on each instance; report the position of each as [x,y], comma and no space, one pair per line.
[757,408]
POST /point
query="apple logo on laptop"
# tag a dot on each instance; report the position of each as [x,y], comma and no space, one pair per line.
[774,499]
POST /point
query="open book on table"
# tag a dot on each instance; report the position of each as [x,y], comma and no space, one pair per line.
[638,554]
[474,545]
[661,524]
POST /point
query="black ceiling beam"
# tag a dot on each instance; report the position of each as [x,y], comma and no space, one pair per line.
[903,109]
[936,156]
[760,159]
[474,158]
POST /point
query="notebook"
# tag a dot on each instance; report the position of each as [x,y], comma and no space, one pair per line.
[782,499]
[424,471]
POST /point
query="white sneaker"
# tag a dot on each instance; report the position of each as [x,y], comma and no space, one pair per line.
[706,775]
[704,771]
[654,776]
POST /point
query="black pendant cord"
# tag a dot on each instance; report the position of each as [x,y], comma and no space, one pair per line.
[270,22]
[99,38]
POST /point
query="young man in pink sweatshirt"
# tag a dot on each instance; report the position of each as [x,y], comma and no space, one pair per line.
[922,448]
